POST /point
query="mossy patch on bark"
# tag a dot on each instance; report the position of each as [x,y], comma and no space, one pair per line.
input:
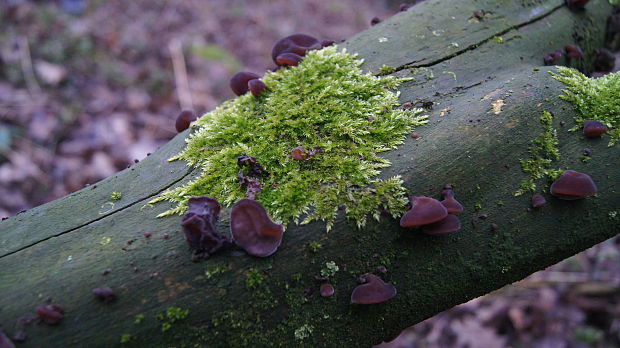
[326,105]
[595,99]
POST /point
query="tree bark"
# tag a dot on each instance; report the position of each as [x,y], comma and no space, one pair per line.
[488,90]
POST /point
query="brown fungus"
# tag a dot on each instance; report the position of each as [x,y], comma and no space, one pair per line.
[51,314]
[577,5]
[105,294]
[239,82]
[253,230]
[594,129]
[327,290]
[184,119]
[199,226]
[448,225]
[538,201]
[298,44]
[573,51]
[375,290]
[424,211]
[300,153]
[452,205]
[573,185]
[257,87]
[288,59]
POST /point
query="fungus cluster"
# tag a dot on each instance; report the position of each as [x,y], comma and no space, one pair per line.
[573,185]
[250,227]
[199,226]
[433,216]
[570,52]
[51,314]
[374,290]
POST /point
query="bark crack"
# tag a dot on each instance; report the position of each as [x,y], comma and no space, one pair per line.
[98,218]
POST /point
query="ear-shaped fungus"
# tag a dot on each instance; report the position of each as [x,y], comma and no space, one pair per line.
[257,87]
[199,226]
[448,225]
[452,205]
[5,342]
[239,82]
[424,211]
[288,59]
[573,51]
[573,185]
[375,290]
[327,290]
[594,129]
[184,119]
[296,43]
[253,230]
[538,201]
[51,314]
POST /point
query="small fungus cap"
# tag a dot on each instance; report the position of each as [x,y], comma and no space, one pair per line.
[424,211]
[573,185]
[327,290]
[288,59]
[200,226]
[375,290]
[183,120]
[253,230]
[538,201]
[296,43]
[257,87]
[452,205]
[105,294]
[51,314]
[449,224]
[239,82]
[594,129]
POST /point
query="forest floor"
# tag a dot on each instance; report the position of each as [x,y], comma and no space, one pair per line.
[89,87]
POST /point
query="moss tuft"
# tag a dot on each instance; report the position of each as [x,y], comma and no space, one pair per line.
[328,106]
[543,150]
[595,99]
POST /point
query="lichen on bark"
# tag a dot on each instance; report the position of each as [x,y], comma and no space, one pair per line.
[326,105]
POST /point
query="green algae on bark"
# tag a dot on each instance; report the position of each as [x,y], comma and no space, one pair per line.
[327,105]
[595,99]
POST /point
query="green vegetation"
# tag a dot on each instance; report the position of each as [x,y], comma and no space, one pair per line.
[315,246]
[173,314]
[595,99]
[303,332]
[115,196]
[543,150]
[328,106]
[386,70]
[215,270]
[138,319]
[254,279]
[330,269]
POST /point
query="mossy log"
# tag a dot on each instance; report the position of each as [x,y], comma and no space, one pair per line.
[488,90]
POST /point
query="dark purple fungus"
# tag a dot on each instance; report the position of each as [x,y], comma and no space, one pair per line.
[576,4]
[253,230]
[299,153]
[424,211]
[538,201]
[105,294]
[448,191]
[199,226]
[605,61]
[326,43]
[549,60]
[594,129]
[448,225]
[184,119]
[375,290]
[298,44]
[5,342]
[239,82]
[51,314]
[452,205]
[250,175]
[375,21]
[573,185]
[327,290]
[288,59]
[257,87]
[573,51]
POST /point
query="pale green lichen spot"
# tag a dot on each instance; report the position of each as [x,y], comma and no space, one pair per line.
[595,99]
[326,103]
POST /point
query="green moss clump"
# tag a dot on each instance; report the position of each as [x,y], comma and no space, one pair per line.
[173,314]
[325,104]
[115,196]
[543,150]
[595,99]
[386,70]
